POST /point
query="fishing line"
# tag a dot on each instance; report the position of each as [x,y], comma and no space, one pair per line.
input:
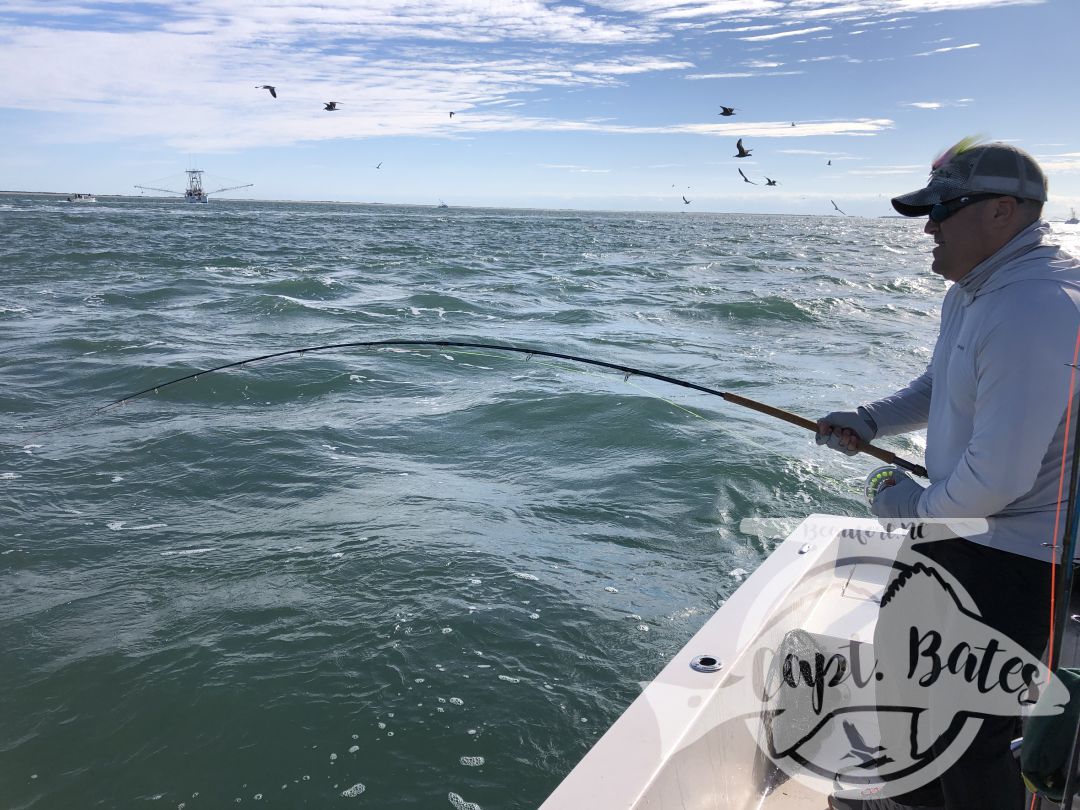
[627,381]
[628,371]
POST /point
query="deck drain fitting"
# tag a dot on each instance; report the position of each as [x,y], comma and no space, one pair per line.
[806,547]
[705,663]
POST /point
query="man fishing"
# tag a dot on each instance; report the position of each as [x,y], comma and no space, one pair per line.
[994,402]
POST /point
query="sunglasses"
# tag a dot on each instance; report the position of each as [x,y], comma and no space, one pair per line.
[943,210]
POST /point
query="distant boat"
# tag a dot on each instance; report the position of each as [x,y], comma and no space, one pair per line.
[1072,220]
[442,204]
[194,192]
[81,198]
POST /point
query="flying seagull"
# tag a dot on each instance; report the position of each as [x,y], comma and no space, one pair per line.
[270,87]
[828,162]
[742,152]
[726,111]
[330,106]
[747,179]
[380,165]
[686,201]
[837,207]
[451,113]
[769,182]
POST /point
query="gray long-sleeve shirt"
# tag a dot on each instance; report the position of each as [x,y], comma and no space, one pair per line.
[994,397]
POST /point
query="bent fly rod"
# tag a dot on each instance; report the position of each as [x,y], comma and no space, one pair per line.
[864,447]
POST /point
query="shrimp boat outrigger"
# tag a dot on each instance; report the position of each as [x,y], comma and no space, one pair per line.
[698,736]
[195,193]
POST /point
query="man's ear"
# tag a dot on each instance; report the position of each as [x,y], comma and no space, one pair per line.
[1003,216]
[1004,211]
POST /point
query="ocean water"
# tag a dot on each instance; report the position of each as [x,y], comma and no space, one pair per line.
[399,579]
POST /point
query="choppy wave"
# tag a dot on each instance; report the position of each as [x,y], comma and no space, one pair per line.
[398,574]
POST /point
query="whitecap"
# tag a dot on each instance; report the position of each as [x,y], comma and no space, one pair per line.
[185,552]
[460,804]
[531,577]
[472,762]
[354,791]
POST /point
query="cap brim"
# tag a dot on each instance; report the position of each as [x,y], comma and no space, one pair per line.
[917,203]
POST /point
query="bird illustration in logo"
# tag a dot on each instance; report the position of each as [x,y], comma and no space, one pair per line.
[860,749]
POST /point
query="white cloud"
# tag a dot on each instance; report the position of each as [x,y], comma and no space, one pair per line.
[186,73]
[936,105]
[784,34]
[1068,163]
[946,50]
[743,75]
[626,67]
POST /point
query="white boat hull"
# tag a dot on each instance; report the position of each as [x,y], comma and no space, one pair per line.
[691,741]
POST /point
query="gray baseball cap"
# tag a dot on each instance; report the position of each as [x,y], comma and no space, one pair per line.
[997,168]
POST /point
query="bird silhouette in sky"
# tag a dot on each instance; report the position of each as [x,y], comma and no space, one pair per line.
[769,182]
[451,113]
[685,201]
[270,87]
[747,179]
[380,165]
[726,111]
[330,106]
[828,163]
[837,207]
[742,152]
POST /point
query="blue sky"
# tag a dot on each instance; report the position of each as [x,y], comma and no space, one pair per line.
[607,105]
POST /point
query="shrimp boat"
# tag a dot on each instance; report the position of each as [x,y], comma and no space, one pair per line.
[195,193]
[81,198]
[1072,220]
[698,737]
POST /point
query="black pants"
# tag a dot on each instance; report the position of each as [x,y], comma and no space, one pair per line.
[1013,595]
